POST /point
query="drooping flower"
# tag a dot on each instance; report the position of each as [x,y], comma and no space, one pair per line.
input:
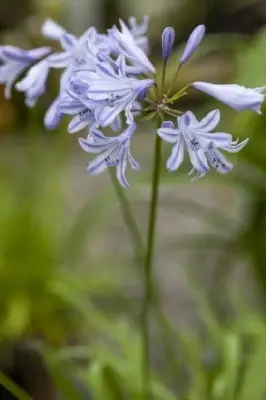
[107,92]
[115,152]
[203,147]
[124,43]
[193,41]
[15,61]
[168,38]
[235,96]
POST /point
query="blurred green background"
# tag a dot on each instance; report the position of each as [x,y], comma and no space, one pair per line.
[70,287]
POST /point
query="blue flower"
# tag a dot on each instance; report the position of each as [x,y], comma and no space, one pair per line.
[203,146]
[193,41]
[115,152]
[235,96]
[107,92]
[125,43]
[15,61]
[78,52]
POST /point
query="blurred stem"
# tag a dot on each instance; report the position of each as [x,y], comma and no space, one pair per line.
[13,388]
[148,284]
[128,217]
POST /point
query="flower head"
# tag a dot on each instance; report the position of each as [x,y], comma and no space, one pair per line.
[193,41]
[168,38]
[115,152]
[235,96]
[203,146]
[15,61]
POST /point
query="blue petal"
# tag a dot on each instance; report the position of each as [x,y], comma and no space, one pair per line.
[168,124]
[209,122]
[52,116]
[52,30]
[68,41]
[71,107]
[79,122]
[116,125]
[134,164]
[58,60]
[99,165]
[177,156]
[170,135]
[218,161]
[96,147]
[121,169]
[234,148]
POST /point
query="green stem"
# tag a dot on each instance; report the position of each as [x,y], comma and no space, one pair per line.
[128,218]
[163,76]
[13,388]
[148,284]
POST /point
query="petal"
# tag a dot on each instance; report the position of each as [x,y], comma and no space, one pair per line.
[52,30]
[235,148]
[134,164]
[177,156]
[116,125]
[168,124]
[209,122]
[121,63]
[79,122]
[105,116]
[218,138]
[218,161]
[170,135]
[198,160]
[99,165]
[121,169]
[71,107]
[58,60]
[52,116]
[95,147]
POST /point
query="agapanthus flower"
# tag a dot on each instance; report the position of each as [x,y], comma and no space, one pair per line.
[203,146]
[235,96]
[108,92]
[193,41]
[15,61]
[125,43]
[115,152]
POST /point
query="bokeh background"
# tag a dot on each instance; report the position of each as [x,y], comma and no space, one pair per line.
[70,287]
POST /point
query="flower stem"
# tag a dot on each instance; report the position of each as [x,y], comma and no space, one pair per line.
[148,283]
[128,217]
[13,388]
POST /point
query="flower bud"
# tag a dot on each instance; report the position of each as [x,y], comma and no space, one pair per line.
[193,41]
[168,38]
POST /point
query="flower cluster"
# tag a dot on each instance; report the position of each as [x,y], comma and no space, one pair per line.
[108,81]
